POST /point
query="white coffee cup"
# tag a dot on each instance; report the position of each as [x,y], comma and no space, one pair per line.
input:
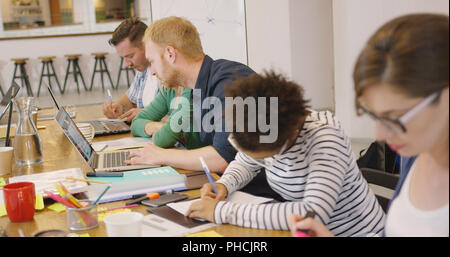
[124,224]
[87,130]
[6,159]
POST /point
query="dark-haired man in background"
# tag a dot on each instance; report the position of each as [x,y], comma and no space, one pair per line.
[127,40]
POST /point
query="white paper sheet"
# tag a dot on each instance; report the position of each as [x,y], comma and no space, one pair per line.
[47,180]
[120,144]
[236,197]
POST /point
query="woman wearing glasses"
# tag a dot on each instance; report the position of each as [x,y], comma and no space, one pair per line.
[402,82]
[310,165]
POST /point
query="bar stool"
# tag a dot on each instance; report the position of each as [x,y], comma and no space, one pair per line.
[76,71]
[100,58]
[126,69]
[23,76]
[47,62]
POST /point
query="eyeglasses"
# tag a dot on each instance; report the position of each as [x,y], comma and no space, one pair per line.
[398,125]
[266,162]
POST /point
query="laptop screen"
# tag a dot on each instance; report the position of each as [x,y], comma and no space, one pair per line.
[73,133]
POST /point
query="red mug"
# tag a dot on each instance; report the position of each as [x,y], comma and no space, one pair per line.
[20,199]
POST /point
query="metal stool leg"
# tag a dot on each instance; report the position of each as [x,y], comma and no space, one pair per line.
[107,73]
[67,74]
[56,77]
[27,81]
[120,71]
[14,74]
[101,74]
[78,72]
[40,79]
[93,74]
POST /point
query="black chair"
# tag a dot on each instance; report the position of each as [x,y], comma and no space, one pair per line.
[382,183]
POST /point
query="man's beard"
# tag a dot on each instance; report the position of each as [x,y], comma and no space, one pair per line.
[173,78]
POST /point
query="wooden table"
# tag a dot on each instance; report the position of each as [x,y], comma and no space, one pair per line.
[58,153]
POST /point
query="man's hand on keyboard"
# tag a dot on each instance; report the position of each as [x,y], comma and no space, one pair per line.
[150,154]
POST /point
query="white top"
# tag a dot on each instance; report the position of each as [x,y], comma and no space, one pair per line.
[318,173]
[404,219]
[150,89]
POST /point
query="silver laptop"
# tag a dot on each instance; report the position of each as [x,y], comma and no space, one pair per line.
[102,161]
[101,127]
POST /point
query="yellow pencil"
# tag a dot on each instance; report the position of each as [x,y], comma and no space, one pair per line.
[87,180]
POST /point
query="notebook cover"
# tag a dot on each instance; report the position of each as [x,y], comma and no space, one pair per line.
[174,216]
[196,180]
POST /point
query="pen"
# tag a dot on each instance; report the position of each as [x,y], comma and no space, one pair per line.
[110,99]
[150,196]
[211,181]
[104,174]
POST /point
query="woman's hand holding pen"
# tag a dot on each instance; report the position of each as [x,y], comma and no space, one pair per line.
[207,191]
[204,208]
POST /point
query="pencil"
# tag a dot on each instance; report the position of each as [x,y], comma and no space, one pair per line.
[101,195]
[120,207]
[87,180]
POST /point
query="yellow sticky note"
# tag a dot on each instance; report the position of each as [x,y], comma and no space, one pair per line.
[209,233]
[58,207]
[39,202]
[84,235]
[2,210]
[2,182]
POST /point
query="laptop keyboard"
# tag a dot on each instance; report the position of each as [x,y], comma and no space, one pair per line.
[98,126]
[115,159]
[116,126]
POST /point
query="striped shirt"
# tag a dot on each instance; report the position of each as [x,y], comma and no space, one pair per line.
[136,91]
[318,173]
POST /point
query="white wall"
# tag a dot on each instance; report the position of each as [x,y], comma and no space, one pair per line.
[294,37]
[268,35]
[311,23]
[354,22]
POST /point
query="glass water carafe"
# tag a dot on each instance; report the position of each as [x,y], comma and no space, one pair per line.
[27,143]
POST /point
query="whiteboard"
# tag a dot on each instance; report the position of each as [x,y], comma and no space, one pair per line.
[220,23]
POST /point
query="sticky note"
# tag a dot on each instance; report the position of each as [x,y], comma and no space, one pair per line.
[2,210]
[58,207]
[84,235]
[209,233]
[2,182]
[39,202]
